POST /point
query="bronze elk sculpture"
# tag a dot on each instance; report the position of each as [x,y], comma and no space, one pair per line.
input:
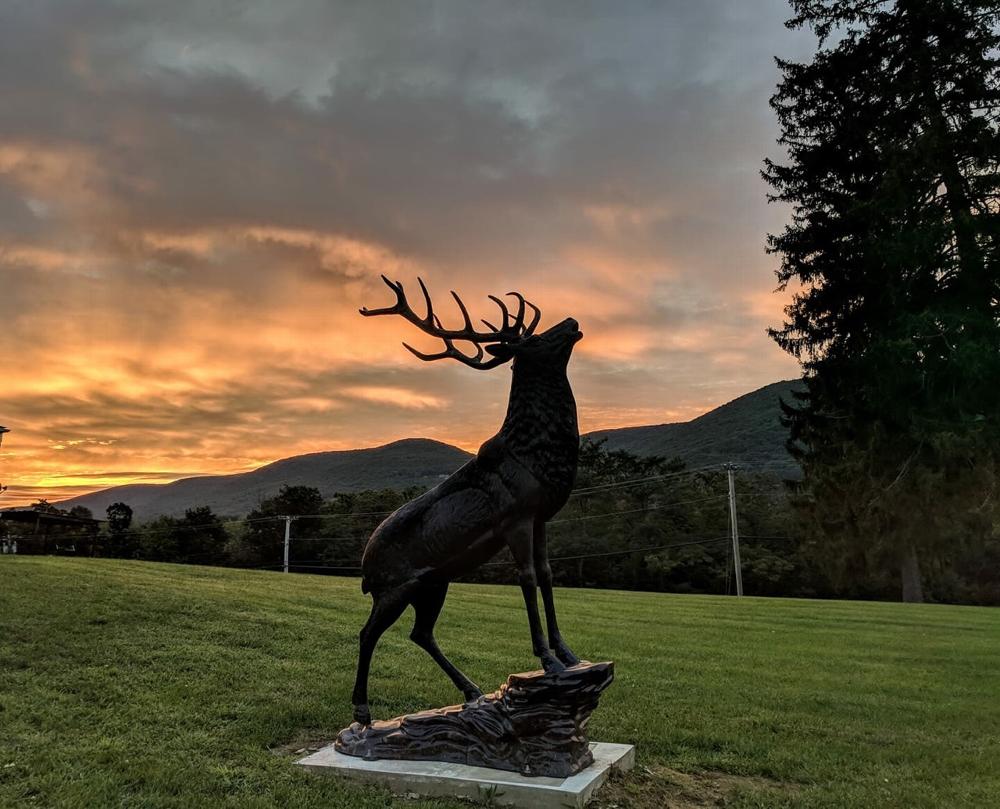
[501,498]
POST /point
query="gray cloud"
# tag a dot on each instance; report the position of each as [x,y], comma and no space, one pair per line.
[194,197]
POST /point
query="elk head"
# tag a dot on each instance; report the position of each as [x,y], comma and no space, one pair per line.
[514,339]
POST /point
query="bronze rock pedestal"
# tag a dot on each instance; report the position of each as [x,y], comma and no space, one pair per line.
[535,724]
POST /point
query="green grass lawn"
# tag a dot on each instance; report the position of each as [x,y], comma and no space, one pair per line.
[132,684]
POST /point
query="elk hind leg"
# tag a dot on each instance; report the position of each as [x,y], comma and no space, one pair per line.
[427,603]
[520,543]
[544,572]
[386,609]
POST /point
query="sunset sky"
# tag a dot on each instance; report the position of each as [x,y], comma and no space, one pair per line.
[196,197]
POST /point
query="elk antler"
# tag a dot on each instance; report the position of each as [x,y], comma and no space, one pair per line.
[513,327]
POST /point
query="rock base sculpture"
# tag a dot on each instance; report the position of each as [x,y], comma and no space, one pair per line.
[535,724]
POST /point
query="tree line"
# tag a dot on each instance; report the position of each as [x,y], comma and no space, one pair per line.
[636,523]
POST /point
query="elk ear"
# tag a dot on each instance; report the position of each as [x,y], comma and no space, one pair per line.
[503,351]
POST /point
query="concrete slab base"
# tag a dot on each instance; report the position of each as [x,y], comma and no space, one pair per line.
[442,780]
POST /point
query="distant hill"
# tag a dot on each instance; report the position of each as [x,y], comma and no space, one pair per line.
[410,462]
[747,430]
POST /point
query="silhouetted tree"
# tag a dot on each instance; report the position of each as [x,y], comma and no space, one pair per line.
[260,543]
[157,540]
[201,537]
[892,141]
[353,516]
[45,507]
[122,543]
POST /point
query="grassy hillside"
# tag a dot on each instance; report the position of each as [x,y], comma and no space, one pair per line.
[134,684]
[746,430]
[410,462]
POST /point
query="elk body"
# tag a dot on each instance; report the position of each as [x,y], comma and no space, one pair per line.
[501,498]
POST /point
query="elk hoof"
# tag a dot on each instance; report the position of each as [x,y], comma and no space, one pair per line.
[362,715]
[551,664]
[565,655]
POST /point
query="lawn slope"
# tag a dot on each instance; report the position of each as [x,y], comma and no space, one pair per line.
[132,684]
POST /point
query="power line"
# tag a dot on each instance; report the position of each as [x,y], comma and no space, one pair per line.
[574,493]
[180,526]
[330,539]
[768,539]
[647,549]
[638,481]
[637,510]
[710,441]
[640,550]
[343,514]
[320,564]
[143,531]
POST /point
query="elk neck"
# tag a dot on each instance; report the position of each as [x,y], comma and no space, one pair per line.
[540,429]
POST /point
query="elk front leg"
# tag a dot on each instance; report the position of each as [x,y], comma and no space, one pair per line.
[544,572]
[520,542]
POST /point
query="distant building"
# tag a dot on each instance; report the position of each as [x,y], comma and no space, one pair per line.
[26,530]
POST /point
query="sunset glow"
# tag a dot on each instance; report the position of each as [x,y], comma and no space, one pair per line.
[192,211]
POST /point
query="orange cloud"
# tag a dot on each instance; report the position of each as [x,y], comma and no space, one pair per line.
[396,396]
[187,233]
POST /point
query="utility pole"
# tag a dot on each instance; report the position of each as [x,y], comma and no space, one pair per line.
[734,528]
[288,537]
[2,431]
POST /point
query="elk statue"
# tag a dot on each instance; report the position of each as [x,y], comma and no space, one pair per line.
[501,498]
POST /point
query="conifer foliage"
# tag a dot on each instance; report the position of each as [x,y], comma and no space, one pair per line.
[891,136]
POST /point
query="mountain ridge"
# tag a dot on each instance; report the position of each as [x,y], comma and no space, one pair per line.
[402,463]
[746,430]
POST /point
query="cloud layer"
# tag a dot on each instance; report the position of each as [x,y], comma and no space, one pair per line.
[196,197]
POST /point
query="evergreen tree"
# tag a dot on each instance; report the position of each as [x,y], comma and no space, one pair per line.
[891,133]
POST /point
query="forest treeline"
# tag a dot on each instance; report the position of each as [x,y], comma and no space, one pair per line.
[632,523]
